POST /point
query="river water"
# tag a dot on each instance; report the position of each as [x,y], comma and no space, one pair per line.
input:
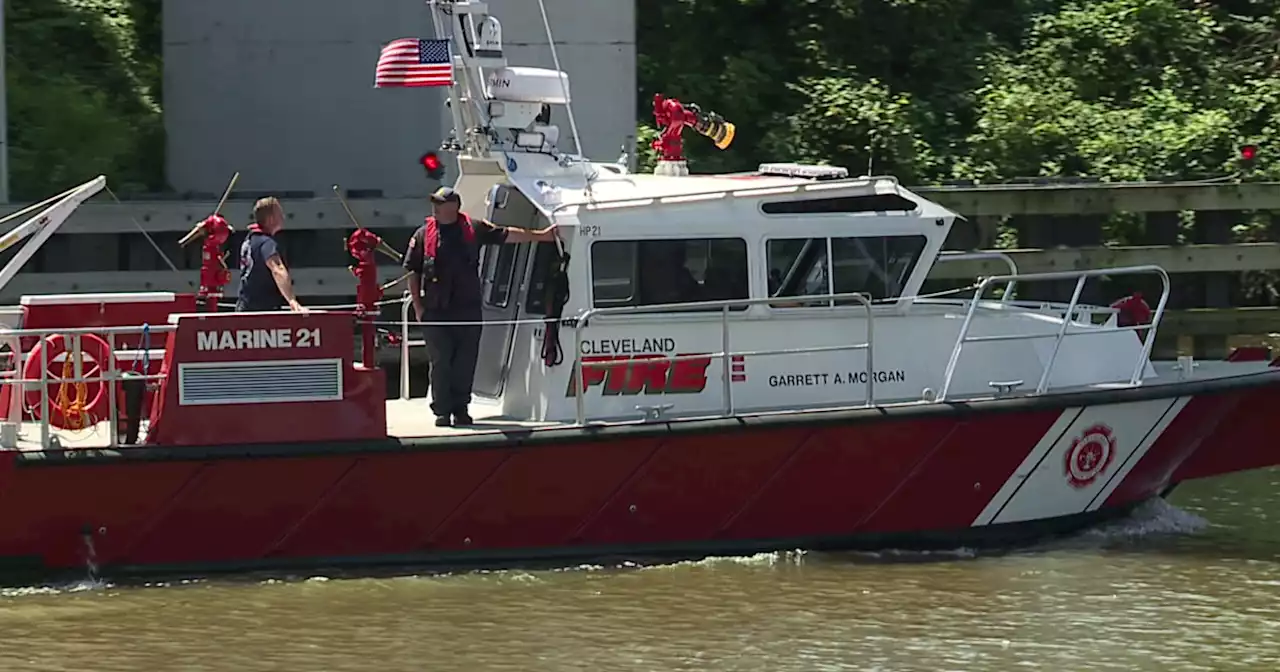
[1192,585]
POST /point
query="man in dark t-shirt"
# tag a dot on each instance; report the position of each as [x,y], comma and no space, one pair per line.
[444,285]
[264,280]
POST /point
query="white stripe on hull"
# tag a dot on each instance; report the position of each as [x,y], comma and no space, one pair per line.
[1047,442]
[1137,455]
[1042,486]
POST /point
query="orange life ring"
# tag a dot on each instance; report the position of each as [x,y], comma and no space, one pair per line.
[71,406]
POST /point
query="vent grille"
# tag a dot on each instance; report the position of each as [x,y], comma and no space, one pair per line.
[205,383]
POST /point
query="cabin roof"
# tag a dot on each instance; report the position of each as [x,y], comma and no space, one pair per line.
[608,188]
[614,188]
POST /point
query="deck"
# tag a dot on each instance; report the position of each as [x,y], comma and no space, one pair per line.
[406,419]
[413,418]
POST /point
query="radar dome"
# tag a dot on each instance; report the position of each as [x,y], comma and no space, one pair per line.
[529,85]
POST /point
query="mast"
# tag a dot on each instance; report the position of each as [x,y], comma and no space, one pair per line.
[476,41]
[564,86]
[494,106]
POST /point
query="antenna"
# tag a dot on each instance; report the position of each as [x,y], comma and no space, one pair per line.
[555,58]
[475,38]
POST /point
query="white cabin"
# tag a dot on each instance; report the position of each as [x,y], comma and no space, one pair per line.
[753,276]
[780,247]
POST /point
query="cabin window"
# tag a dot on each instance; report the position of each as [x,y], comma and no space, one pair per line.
[841,204]
[798,267]
[613,273]
[499,272]
[655,272]
[545,258]
[878,266]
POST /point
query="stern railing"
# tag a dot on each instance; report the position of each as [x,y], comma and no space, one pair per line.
[110,375]
[1064,329]
[994,255]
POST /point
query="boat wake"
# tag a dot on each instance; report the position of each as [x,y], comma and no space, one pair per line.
[74,587]
[1153,520]
[1156,519]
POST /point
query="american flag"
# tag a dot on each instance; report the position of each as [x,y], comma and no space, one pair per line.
[414,62]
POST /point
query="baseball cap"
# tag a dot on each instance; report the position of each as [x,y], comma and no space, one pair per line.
[444,195]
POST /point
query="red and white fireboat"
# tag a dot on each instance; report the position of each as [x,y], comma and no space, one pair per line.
[752,367]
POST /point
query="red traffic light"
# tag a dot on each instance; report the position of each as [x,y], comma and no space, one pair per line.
[1248,152]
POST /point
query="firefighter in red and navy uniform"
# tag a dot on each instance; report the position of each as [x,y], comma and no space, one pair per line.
[264,279]
[443,259]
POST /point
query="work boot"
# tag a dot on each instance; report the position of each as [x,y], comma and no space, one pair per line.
[462,418]
[443,421]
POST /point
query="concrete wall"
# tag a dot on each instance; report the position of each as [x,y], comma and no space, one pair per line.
[282,90]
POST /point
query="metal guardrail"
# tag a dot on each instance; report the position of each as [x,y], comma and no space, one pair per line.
[582,321]
[1065,329]
[1081,312]
[405,343]
[110,376]
[405,304]
[1071,312]
[1009,288]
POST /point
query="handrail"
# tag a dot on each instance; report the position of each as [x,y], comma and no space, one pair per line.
[1009,287]
[583,319]
[404,323]
[108,375]
[1063,330]
[404,346]
[97,331]
[1028,304]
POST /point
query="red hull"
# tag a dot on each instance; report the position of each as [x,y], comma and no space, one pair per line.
[927,472]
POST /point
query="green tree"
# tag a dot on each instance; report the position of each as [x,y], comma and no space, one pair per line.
[927,90]
[81,98]
[978,89]
[1119,89]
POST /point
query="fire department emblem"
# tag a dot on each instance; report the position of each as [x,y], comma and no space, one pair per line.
[1090,455]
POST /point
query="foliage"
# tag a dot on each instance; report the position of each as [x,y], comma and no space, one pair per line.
[934,90]
[83,79]
[928,90]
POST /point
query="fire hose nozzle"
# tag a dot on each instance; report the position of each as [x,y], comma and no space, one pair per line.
[713,126]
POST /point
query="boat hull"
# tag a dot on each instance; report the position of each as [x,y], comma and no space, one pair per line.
[929,476]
